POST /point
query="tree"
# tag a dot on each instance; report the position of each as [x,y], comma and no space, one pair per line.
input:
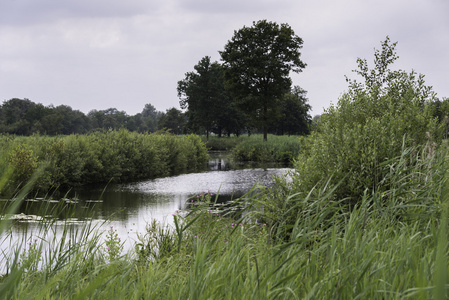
[209,106]
[110,118]
[14,116]
[258,61]
[173,119]
[150,117]
[294,113]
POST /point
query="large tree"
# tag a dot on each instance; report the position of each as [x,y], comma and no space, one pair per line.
[258,61]
[209,105]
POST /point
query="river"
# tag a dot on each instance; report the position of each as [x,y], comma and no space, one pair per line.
[128,208]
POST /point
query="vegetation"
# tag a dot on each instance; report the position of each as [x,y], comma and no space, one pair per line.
[250,92]
[371,124]
[209,105]
[258,61]
[364,216]
[99,157]
[282,149]
[374,251]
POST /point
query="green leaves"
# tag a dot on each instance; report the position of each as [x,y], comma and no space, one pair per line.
[258,61]
[370,124]
[99,157]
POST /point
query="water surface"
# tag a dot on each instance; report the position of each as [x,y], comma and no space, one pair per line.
[128,208]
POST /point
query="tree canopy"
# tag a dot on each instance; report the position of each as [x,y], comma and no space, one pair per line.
[25,117]
[209,105]
[294,115]
[258,61]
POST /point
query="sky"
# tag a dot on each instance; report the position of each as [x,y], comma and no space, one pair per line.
[100,54]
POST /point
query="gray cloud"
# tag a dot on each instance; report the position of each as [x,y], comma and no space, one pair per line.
[124,54]
[24,12]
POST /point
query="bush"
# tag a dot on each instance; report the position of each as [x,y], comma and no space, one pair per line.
[100,157]
[371,124]
[277,149]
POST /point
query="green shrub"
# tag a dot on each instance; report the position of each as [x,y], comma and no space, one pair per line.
[100,157]
[371,124]
[277,149]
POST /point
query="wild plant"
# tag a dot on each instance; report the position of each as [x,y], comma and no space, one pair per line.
[113,244]
[157,243]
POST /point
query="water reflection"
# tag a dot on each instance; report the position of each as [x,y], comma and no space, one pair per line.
[130,207]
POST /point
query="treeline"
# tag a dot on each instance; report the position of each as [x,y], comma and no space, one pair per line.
[25,117]
[99,157]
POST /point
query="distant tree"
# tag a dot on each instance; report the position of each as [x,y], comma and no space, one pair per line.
[110,118]
[199,93]
[174,120]
[150,117]
[440,110]
[209,105]
[315,122]
[294,113]
[14,117]
[258,61]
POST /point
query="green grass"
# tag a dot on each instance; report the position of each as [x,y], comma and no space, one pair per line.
[391,245]
[224,143]
[252,148]
[277,149]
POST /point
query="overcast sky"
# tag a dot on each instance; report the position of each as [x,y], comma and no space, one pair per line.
[98,54]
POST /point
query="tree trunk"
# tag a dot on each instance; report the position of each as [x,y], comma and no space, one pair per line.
[265,122]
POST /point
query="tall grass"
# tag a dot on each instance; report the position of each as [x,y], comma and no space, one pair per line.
[277,149]
[223,143]
[391,245]
[252,148]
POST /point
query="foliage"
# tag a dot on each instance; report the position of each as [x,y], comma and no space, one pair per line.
[113,244]
[210,107]
[223,143]
[371,124]
[100,157]
[173,120]
[24,117]
[375,252]
[30,258]
[278,149]
[294,115]
[24,163]
[258,61]
[157,243]
[440,111]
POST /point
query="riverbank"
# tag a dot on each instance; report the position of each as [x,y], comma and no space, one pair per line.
[100,157]
[280,149]
[370,252]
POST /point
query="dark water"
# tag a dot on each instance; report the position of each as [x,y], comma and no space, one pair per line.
[128,208]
